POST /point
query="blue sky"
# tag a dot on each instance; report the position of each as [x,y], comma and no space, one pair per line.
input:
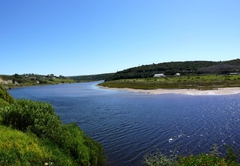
[81,37]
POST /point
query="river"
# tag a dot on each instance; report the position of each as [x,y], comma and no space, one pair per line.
[129,125]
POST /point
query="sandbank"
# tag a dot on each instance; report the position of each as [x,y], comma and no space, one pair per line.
[219,91]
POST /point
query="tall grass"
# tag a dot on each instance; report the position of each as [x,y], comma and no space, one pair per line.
[18,148]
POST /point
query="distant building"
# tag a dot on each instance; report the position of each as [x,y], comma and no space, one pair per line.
[234,73]
[177,75]
[159,75]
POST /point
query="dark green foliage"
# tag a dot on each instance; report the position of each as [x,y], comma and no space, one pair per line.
[231,154]
[40,119]
[185,68]
[33,116]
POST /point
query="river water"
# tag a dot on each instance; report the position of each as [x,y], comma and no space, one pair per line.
[129,125]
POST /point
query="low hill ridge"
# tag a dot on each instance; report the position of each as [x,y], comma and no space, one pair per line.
[185,68]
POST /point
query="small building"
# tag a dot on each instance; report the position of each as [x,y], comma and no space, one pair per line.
[159,75]
[177,75]
[234,73]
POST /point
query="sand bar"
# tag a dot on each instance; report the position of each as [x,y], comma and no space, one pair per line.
[219,91]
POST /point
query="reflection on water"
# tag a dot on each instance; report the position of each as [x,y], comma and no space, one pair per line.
[129,125]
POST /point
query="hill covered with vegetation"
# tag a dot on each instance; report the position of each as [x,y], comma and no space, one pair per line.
[17,80]
[184,68]
[87,78]
[33,134]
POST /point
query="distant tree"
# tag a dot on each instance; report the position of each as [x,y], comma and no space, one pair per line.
[16,75]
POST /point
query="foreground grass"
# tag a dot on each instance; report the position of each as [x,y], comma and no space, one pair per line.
[18,148]
[203,82]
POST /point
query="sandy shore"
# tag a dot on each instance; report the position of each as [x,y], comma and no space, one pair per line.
[219,91]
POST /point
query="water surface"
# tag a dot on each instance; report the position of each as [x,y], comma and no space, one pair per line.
[129,125]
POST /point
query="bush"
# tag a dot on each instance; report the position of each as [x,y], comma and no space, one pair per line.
[36,117]
[40,119]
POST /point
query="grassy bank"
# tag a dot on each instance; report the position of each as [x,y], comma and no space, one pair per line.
[19,148]
[33,134]
[201,82]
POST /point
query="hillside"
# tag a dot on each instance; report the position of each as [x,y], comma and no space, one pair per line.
[184,68]
[95,77]
[16,80]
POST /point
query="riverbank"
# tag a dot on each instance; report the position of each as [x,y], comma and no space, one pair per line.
[219,91]
[198,84]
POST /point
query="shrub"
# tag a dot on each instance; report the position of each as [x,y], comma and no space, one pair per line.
[36,117]
[40,119]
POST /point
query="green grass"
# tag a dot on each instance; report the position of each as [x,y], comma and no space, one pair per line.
[18,148]
[203,82]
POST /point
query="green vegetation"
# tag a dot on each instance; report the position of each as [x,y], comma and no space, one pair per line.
[202,82]
[17,80]
[184,68]
[32,134]
[88,78]
[5,97]
[18,148]
[201,75]
[210,159]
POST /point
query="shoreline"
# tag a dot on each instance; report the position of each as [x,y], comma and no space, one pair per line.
[219,91]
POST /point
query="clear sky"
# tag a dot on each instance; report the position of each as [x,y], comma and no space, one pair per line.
[81,37]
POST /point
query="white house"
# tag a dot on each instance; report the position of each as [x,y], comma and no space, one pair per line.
[234,73]
[159,75]
[177,75]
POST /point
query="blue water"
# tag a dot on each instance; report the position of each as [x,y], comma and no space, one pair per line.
[129,125]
